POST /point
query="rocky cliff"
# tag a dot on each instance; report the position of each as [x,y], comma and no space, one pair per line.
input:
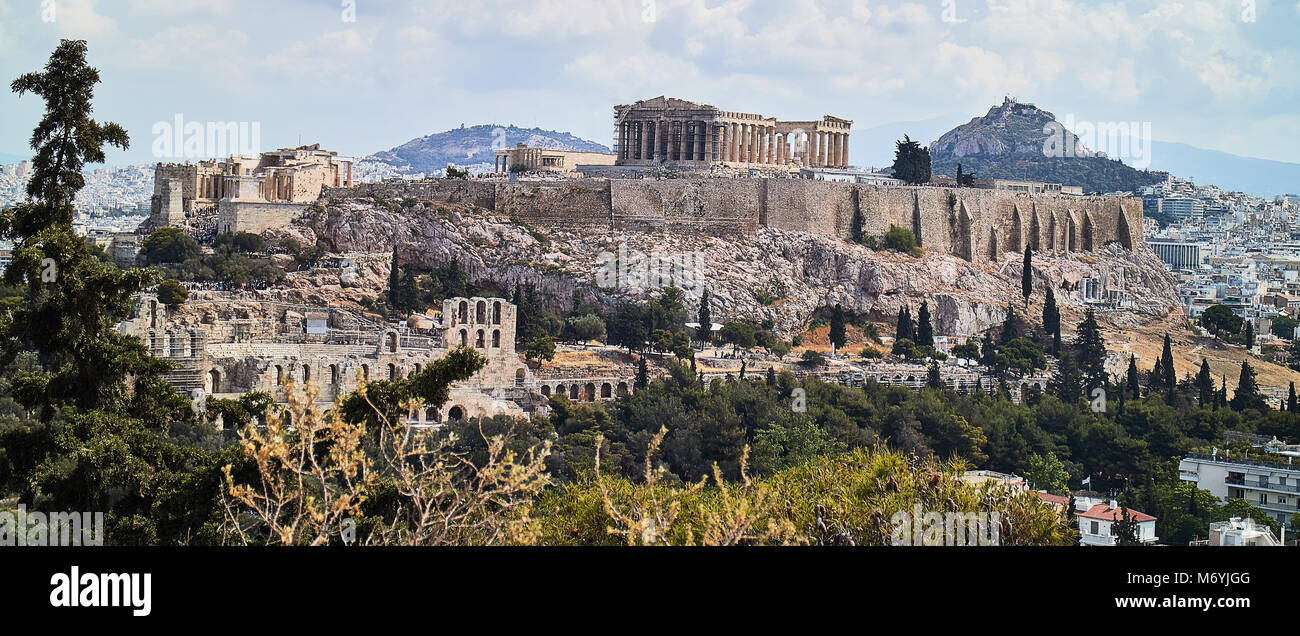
[816,271]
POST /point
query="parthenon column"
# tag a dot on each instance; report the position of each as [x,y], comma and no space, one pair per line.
[844,153]
[658,140]
[815,143]
[835,150]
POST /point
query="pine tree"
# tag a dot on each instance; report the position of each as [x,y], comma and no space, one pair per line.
[1027,275]
[1204,385]
[906,328]
[704,333]
[1132,379]
[924,332]
[1091,352]
[1065,383]
[837,334]
[1247,394]
[911,162]
[988,351]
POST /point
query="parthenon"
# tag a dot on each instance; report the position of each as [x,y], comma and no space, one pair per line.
[675,131]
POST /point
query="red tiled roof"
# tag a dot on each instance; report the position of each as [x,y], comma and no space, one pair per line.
[1053,499]
[1106,513]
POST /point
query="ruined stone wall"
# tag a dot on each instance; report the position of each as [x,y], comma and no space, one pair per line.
[235,216]
[976,224]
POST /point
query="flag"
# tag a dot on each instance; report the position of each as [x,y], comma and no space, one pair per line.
[1087,480]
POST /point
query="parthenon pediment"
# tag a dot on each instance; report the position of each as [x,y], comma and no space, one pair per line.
[669,102]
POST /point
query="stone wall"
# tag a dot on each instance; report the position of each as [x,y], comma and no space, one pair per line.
[976,224]
[237,216]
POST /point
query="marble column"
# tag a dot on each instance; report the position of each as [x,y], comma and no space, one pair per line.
[658,142]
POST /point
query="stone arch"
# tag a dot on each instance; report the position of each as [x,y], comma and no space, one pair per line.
[589,393]
[462,312]
[573,392]
[390,341]
[622,388]
[279,375]
[520,376]
[213,381]
[416,369]
[496,312]
[496,338]
[546,391]
[392,371]
[306,374]
[606,391]
[993,243]
[365,373]
[464,338]
[480,312]
[561,390]
[478,339]
[455,413]
[334,375]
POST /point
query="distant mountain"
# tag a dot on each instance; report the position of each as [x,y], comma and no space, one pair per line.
[467,146]
[1260,177]
[1008,143]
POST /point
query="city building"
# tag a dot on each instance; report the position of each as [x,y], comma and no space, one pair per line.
[1177,254]
[1270,483]
[1239,532]
[1097,524]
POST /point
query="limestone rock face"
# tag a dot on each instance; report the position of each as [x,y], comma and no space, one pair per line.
[603,266]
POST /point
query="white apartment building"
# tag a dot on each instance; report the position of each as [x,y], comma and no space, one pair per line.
[1272,485]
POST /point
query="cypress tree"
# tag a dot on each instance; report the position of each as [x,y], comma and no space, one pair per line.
[394,282]
[1250,335]
[1027,275]
[988,352]
[1132,380]
[1052,321]
[642,379]
[742,369]
[1065,383]
[704,332]
[924,332]
[932,377]
[1167,366]
[1205,385]
[837,334]
[906,328]
[1291,405]
[771,376]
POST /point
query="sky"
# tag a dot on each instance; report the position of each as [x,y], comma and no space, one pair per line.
[359,76]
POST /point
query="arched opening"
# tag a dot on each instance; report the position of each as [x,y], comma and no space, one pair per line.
[546,391]
[417,368]
[365,373]
[214,381]
[334,375]
[496,338]
[306,374]
[606,391]
[520,376]
[590,392]
[392,341]
[464,338]
[392,372]
[456,414]
[480,312]
[462,312]
[279,375]
[496,313]
[478,339]
[622,388]
[573,392]
[560,390]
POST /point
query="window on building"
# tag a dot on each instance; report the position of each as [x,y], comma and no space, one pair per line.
[1094,528]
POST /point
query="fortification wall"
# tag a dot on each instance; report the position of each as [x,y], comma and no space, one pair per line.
[976,224]
[235,216]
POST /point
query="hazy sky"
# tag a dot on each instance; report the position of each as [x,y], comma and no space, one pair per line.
[1219,74]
